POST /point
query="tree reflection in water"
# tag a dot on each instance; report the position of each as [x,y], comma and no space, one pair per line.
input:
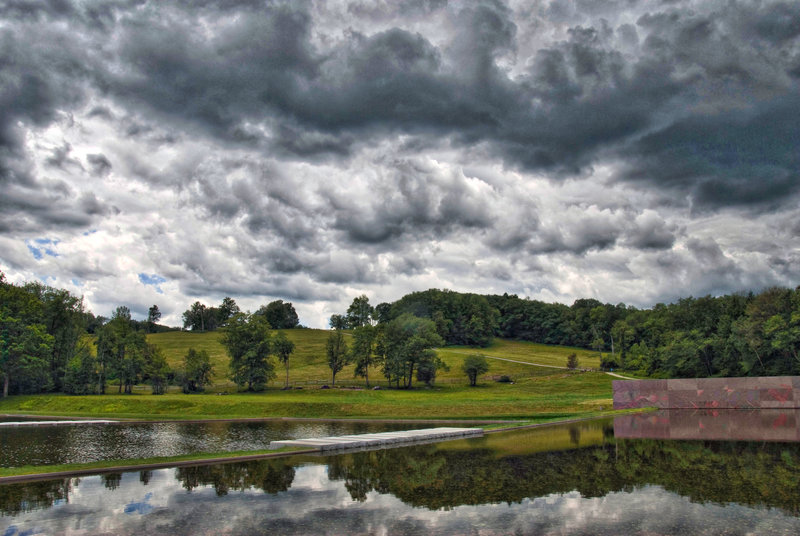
[446,475]
[752,474]
[271,476]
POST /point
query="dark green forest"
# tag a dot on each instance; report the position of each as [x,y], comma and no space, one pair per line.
[732,335]
[43,347]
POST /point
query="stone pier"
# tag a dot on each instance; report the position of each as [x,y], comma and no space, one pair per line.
[383,439]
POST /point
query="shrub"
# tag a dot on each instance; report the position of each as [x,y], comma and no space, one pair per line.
[572,361]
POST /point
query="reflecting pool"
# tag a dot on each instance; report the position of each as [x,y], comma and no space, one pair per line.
[78,443]
[566,480]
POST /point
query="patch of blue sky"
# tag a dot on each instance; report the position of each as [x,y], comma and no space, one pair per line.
[39,247]
[36,252]
[153,280]
[13,530]
[141,507]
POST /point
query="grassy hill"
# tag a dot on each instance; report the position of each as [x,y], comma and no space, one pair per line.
[308,364]
[536,394]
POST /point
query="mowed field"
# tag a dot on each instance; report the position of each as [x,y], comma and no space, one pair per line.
[535,394]
[557,395]
[308,364]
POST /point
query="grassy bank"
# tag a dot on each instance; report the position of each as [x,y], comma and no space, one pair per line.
[134,464]
[555,394]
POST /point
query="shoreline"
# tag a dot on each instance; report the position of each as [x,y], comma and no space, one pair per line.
[122,420]
[214,458]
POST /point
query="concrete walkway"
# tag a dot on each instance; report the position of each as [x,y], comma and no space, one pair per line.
[620,376]
[509,360]
[52,423]
[384,439]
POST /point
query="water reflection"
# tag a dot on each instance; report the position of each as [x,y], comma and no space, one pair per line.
[723,424]
[91,442]
[568,480]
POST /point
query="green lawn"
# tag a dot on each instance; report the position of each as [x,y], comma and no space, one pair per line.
[559,394]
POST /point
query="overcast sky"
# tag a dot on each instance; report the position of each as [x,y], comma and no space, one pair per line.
[162,152]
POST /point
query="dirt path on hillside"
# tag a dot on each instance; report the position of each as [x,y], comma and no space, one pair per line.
[614,374]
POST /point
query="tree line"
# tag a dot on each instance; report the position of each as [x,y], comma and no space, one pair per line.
[43,347]
[731,335]
[200,317]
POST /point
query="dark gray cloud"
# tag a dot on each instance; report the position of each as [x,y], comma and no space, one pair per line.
[306,147]
[100,164]
[411,201]
[581,96]
[748,158]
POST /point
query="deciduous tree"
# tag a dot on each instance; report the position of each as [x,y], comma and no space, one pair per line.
[25,345]
[363,350]
[409,342]
[156,369]
[283,348]
[475,365]
[280,314]
[360,312]
[226,310]
[247,340]
[82,376]
[336,350]
[197,370]
[338,322]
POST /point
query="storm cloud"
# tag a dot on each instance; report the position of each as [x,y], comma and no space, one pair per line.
[314,151]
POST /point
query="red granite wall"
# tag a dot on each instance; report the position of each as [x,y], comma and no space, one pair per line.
[735,393]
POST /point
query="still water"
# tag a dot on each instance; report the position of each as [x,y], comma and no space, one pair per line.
[567,480]
[78,443]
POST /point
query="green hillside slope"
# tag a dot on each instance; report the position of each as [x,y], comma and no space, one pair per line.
[308,364]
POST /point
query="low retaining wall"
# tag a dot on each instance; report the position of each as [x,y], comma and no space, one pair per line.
[734,393]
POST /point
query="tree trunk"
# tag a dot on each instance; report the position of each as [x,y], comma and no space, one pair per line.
[287,373]
[759,358]
[5,385]
[366,375]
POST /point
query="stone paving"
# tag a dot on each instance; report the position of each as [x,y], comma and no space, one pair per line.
[383,439]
